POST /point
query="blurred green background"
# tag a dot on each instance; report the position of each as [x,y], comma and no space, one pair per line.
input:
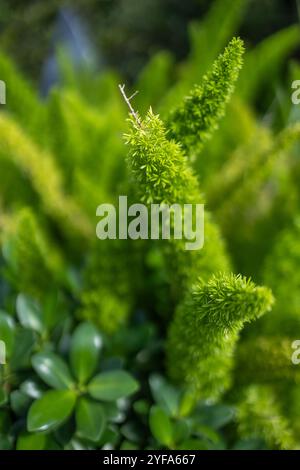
[126,33]
[86,322]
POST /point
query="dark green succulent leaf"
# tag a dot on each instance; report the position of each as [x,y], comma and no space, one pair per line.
[6,442]
[110,437]
[51,411]
[161,426]
[215,416]
[84,353]
[181,431]
[164,394]
[3,395]
[65,432]
[29,313]
[208,433]
[52,370]
[5,421]
[25,341]
[7,332]
[19,402]
[90,419]
[110,386]
[113,412]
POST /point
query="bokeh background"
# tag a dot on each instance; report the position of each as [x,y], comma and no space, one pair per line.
[123,34]
[72,308]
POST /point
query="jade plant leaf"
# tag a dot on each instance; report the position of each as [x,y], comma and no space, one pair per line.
[110,386]
[51,411]
[85,347]
[53,370]
[90,420]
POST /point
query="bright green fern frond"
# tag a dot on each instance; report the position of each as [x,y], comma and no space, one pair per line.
[162,175]
[159,165]
[21,100]
[204,332]
[40,169]
[196,119]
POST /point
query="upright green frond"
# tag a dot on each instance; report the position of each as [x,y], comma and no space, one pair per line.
[162,175]
[21,101]
[205,329]
[259,416]
[40,169]
[197,118]
[34,264]
[159,165]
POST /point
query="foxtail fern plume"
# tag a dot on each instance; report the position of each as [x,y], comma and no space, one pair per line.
[163,175]
[159,165]
[197,118]
[43,174]
[205,330]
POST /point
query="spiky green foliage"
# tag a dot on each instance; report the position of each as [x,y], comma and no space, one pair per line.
[162,175]
[205,329]
[259,416]
[193,123]
[22,101]
[158,164]
[44,176]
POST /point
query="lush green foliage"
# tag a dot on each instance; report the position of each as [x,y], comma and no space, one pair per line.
[142,344]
